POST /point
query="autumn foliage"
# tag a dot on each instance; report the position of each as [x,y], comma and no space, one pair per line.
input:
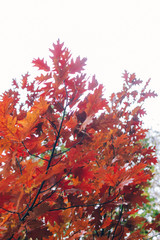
[73,164]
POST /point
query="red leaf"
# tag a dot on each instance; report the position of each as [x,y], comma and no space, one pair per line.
[106,222]
[125,76]
[132,77]
[15,84]
[25,80]
[39,233]
[145,95]
[137,81]
[58,50]
[4,198]
[41,64]
[141,112]
[93,84]
[77,66]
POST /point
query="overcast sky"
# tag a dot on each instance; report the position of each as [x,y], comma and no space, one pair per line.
[113,35]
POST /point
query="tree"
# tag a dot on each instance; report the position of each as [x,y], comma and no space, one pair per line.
[73,165]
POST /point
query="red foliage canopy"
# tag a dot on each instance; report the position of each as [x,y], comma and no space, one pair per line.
[69,170]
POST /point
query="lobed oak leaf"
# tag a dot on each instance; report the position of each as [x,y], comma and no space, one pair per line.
[53,217]
[135,110]
[58,50]
[93,84]
[125,76]
[72,122]
[132,78]
[145,95]
[41,64]
[151,94]
[5,144]
[95,101]
[43,78]
[25,80]
[134,93]
[110,179]
[15,84]
[32,118]
[137,81]
[11,125]
[141,112]
[28,123]
[77,66]
[76,181]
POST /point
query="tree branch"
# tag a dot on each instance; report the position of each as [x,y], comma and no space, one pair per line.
[84,205]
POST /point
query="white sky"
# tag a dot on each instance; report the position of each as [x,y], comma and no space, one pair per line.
[113,34]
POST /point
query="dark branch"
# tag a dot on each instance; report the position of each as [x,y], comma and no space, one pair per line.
[120,215]
[34,155]
[31,207]
[19,165]
[84,205]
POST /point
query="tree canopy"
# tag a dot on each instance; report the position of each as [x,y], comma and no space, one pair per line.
[73,163]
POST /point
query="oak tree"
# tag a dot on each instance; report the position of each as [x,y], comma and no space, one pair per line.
[73,164]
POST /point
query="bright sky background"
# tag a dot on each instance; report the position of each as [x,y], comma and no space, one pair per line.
[114,35]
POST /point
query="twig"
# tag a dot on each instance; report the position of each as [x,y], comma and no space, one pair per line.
[34,155]
[84,205]
[120,215]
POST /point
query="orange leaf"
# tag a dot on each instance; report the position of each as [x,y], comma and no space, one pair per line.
[72,122]
[106,222]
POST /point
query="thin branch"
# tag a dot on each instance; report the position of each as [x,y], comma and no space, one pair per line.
[34,155]
[11,237]
[56,162]
[66,92]
[13,212]
[48,166]
[19,165]
[32,205]
[56,141]
[84,205]
[53,125]
[120,215]
[55,184]
[27,207]
[68,149]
